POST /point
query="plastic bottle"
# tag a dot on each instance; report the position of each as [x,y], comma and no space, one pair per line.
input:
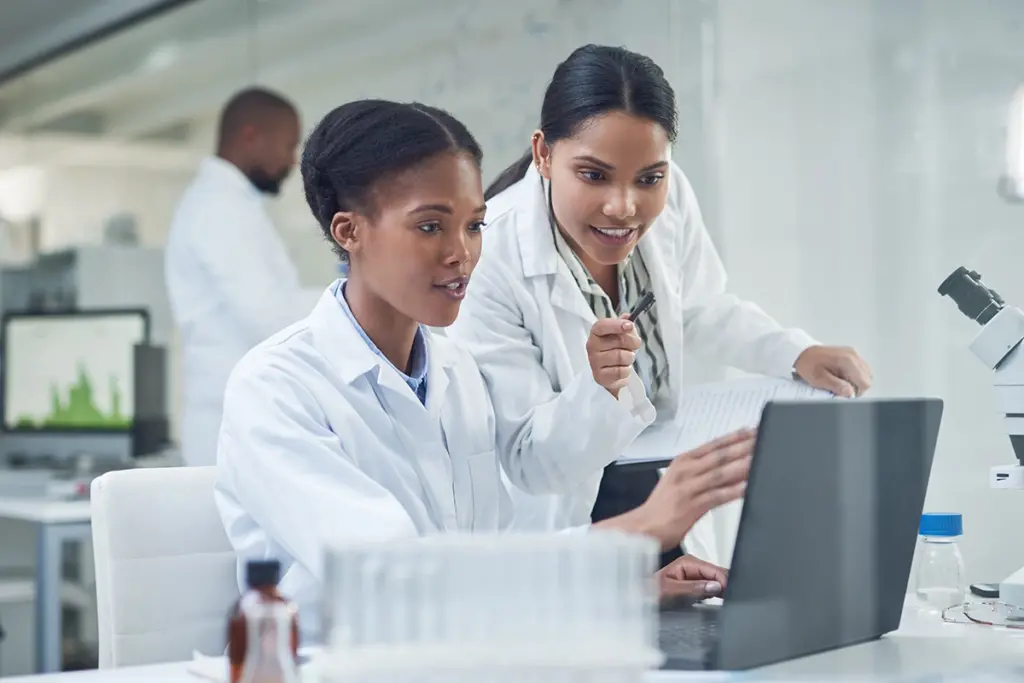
[941,580]
[263,630]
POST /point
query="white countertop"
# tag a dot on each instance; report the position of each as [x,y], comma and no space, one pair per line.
[924,646]
[890,659]
[159,673]
[42,509]
[45,510]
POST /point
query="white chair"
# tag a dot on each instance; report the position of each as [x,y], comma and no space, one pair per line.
[165,572]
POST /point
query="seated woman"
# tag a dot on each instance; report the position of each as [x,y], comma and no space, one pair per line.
[357,424]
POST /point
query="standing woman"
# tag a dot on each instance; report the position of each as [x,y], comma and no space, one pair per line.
[592,216]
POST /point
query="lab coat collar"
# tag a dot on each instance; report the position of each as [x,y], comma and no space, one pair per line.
[416,379]
[223,171]
[538,248]
[340,342]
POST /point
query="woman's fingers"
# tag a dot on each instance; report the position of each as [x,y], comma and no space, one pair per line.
[716,459]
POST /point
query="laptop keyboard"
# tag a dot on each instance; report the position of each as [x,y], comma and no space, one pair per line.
[687,634]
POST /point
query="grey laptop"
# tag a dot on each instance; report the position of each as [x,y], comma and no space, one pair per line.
[826,538]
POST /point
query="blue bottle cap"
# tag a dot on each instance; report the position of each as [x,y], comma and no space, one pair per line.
[941,524]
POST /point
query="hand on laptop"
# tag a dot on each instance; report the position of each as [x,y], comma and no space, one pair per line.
[689,578]
[693,484]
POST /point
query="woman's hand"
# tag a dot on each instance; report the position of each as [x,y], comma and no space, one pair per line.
[611,349]
[838,369]
[697,482]
[694,483]
[688,578]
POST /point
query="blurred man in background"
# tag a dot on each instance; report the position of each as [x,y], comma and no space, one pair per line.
[230,279]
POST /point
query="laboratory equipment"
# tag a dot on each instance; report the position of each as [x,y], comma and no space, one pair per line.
[488,608]
[998,346]
[985,590]
[88,381]
[89,278]
[70,371]
[263,630]
[940,580]
[151,425]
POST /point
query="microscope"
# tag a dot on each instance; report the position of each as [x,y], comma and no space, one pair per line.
[998,346]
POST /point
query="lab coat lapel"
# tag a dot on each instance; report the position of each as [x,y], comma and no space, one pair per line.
[417,428]
[540,257]
[427,444]
[566,295]
[438,367]
[348,352]
[338,339]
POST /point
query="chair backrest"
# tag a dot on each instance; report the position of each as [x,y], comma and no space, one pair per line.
[165,571]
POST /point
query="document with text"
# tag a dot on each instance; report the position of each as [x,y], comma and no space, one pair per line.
[708,411]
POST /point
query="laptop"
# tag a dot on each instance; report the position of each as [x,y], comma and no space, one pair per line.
[826,538]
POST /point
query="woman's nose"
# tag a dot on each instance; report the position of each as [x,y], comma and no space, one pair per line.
[620,205]
[457,248]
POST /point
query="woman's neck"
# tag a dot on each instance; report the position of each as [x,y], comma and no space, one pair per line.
[605,276]
[392,332]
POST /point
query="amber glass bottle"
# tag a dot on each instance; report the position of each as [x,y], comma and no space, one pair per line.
[263,630]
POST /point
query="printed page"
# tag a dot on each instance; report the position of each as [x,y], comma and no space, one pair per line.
[708,411]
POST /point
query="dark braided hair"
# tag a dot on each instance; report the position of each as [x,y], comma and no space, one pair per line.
[596,80]
[359,143]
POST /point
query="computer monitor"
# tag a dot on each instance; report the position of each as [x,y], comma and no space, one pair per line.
[70,371]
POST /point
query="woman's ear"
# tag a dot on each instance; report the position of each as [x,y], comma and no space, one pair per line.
[541,154]
[346,231]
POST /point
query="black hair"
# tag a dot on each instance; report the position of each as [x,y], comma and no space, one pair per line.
[596,80]
[252,106]
[359,143]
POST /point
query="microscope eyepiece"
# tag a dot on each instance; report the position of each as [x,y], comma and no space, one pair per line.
[973,298]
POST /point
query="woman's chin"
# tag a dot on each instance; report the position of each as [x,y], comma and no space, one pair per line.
[610,253]
[443,315]
[608,256]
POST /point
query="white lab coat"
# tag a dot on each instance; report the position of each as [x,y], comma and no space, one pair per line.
[231,285]
[526,323]
[322,439]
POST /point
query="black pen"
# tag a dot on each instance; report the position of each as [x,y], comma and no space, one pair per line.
[642,306]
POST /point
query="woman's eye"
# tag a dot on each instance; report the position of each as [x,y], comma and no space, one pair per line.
[592,176]
[429,227]
[477,227]
[651,179]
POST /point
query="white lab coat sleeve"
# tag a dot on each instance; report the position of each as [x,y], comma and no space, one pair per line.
[291,474]
[548,441]
[248,272]
[718,324]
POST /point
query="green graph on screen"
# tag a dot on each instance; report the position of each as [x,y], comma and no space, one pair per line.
[75,407]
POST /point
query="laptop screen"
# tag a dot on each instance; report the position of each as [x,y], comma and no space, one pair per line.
[828,529]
